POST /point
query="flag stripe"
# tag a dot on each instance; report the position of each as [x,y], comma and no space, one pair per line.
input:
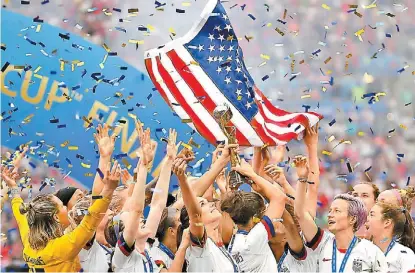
[264,136]
[208,121]
[200,126]
[272,130]
[161,86]
[200,92]
[242,124]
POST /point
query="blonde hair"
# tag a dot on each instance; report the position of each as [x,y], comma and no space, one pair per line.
[407,196]
[43,225]
[78,211]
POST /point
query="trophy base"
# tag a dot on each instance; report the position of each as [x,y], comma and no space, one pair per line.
[237,179]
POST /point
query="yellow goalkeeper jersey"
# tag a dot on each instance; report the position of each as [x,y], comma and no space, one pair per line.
[60,254]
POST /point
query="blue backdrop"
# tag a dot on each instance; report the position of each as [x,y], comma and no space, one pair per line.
[56,85]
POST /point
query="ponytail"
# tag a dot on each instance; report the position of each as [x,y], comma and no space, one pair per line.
[25,208]
[408,235]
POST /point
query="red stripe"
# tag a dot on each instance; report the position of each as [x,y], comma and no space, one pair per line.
[299,118]
[149,67]
[277,111]
[199,91]
[200,126]
[286,137]
[260,131]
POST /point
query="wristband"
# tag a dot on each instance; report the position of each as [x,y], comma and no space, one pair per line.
[277,220]
[13,192]
[302,180]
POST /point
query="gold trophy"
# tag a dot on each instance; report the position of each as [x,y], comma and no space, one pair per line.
[223,115]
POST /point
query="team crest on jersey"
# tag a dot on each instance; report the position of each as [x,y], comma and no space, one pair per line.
[284,269]
[357,265]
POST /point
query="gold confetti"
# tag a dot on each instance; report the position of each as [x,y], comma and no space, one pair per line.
[358,14]
[186,4]
[359,34]
[326,152]
[324,6]
[37,69]
[73,148]
[331,138]
[403,126]
[239,97]
[305,96]
[285,14]
[292,66]
[360,133]
[138,42]
[62,65]
[266,57]
[279,31]
[194,63]
[87,166]
[373,5]
[187,120]
[172,32]
[65,143]
[126,163]
[349,55]
[38,76]
[38,27]
[353,6]
[327,60]
[88,174]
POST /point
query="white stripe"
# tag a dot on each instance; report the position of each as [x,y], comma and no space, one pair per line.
[258,117]
[218,98]
[191,100]
[177,108]
[313,119]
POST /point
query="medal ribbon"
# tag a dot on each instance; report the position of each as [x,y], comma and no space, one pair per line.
[345,258]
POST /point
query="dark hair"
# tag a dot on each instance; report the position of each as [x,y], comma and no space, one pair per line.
[242,206]
[113,229]
[66,194]
[166,221]
[403,227]
[184,223]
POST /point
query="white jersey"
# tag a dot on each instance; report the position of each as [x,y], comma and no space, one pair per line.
[294,262]
[95,259]
[251,250]
[128,259]
[364,257]
[400,259]
[208,257]
[162,255]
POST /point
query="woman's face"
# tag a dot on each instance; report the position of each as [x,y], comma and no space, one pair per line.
[389,197]
[375,223]
[210,213]
[365,193]
[78,194]
[62,213]
[338,217]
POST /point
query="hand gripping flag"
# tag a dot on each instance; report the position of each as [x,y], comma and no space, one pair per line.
[204,69]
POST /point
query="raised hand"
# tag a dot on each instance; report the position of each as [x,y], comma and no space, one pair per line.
[217,152]
[105,142]
[9,176]
[171,144]
[185,243]
[274,171]
[18,159]
[179,169]
[148,146]
[301,164]
[226,151]
[311,135]
[244,168]
[112,178]
[277,154]
[126,177]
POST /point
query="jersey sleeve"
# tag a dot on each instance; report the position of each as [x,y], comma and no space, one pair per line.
[69,245]
[21,220]
[258,237]
[319,240]
[197,245]
[122,254]
[407,262]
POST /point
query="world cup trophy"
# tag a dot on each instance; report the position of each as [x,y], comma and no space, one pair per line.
[223,115]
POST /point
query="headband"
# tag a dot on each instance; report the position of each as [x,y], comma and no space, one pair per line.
[398,196]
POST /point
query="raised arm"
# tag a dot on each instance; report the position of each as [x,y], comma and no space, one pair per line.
[146,155]
[277,175]
[307,224]
[193,207]
[159,200]
[257,160]
[106,147]
[311,141]
[275,196]
[293,236]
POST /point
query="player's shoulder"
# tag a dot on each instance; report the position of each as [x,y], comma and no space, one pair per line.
[369,246]
[403,250]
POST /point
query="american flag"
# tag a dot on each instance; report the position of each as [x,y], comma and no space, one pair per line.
[204,69]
